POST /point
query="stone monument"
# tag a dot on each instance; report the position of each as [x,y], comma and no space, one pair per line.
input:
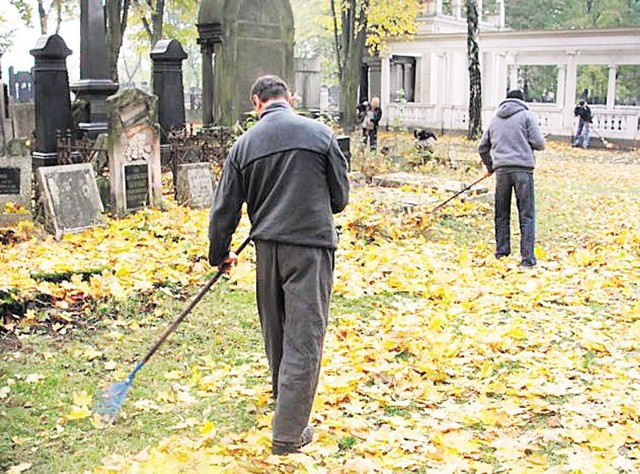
[15,189]
[3,109]
[195,185]
[134,151]
[249,38]
[52,100]
[70,198]
[167,57]
[95,83]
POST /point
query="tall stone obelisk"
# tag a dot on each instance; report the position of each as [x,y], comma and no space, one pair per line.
[95,83]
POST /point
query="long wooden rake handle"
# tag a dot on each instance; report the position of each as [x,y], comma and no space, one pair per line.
[457,194]
[167,332]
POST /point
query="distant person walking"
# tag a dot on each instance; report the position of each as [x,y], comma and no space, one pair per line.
[292,175]
[371,122]
[585,119]
[506,148]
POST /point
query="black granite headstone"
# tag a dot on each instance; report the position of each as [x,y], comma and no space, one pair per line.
[344,142]
[52,99]
[167,57]
[9,180]
[95,83]
[136,185]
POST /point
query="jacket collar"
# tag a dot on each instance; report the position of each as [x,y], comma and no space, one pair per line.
[274,107]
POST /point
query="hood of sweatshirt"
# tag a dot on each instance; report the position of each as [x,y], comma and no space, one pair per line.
[509,107]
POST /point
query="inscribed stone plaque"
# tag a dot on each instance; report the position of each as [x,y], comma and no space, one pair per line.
[195,184]
[134,151]
[70,197]
[9,180]
[136,184]
[15,189]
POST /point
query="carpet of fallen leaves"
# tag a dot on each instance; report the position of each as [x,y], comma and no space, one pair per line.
[463,364]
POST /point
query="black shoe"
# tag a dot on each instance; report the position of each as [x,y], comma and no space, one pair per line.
[280,448]
[528,264]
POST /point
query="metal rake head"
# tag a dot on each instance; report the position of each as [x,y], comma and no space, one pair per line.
[109,401]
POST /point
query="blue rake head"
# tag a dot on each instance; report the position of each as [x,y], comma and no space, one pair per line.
[110,400]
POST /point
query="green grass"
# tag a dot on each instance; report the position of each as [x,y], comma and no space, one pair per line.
[223,327]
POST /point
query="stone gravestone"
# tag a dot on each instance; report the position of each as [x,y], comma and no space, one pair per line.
[134,151]
[95,83]
[195,184]
[249,38]
[52,100]
[15,189]
[344,142]
[70,198]
[167,57]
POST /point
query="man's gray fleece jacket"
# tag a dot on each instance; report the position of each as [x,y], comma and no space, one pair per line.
[511,137]
[292,175]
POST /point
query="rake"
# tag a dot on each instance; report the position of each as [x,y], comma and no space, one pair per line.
[442,204]
[110,400]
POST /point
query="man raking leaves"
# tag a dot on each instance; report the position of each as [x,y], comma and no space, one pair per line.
[290,172]
[507,148]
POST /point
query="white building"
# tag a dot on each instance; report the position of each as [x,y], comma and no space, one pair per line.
[431,72]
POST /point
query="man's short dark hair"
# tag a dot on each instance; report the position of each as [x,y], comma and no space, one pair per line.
[269,87]
[581,102]
[515,94]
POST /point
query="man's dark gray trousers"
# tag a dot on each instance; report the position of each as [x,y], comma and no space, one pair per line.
[293,292]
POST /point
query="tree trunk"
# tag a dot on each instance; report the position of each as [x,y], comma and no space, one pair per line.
[475,80]
[350,49]
[157,18]
[153,27]
[42,16]
[116,14]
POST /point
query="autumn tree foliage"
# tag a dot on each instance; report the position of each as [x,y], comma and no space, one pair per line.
[362,24]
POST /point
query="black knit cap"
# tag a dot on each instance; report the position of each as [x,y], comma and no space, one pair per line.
[515,94]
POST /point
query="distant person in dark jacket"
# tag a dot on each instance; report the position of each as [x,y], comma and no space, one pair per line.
[583,111]
[293,177]
[506,148]
[371,123]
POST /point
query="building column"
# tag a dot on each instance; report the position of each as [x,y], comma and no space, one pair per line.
[479,10]
[611,86]
[385,83]
[501,78]
[513,77]
[207,83]
[457,9]
[438,7]
[502,14]
[562,84]
[570,92]
[488,78]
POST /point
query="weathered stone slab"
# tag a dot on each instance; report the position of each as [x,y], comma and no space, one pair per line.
[15,189]
[134,151]
[488,197]
[412,179]
[70,198]
[195,185]
[357,179]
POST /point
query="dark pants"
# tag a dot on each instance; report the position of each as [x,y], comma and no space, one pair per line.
[522,183]
[373,138]
[293,291]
